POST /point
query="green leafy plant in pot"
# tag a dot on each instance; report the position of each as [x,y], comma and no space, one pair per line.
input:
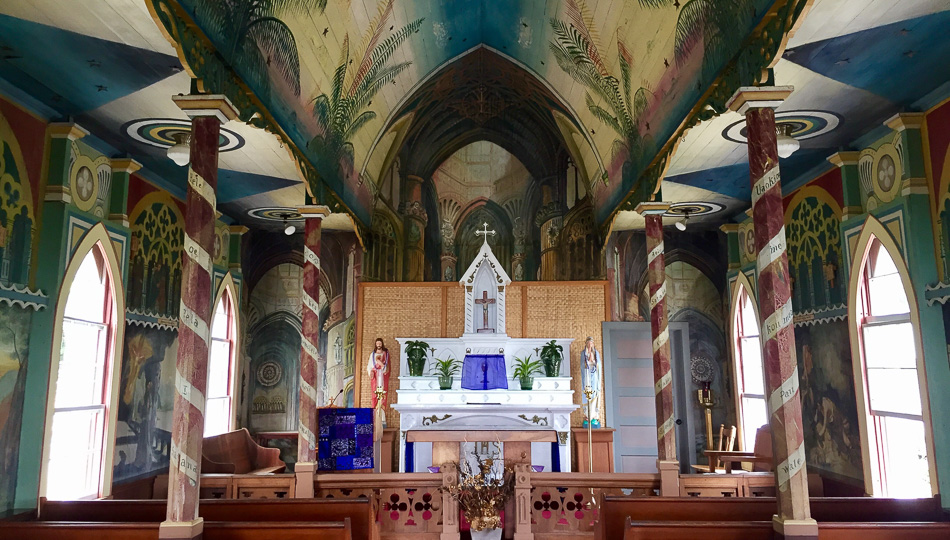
[416,352]
[551,356]
[525,368]
[446,369]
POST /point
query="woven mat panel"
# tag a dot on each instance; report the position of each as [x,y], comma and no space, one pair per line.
[568,310]
[396,311]
[513,296]
[455,311]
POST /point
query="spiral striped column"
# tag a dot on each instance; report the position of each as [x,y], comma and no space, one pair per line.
[660,331]
[194,334]
[775,309]
[310,334]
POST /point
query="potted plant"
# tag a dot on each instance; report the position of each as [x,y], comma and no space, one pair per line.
[525,368]
[551,356]
[416,352]
[446,369]
[482,495]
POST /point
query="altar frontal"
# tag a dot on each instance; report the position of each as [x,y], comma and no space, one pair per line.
[485,324]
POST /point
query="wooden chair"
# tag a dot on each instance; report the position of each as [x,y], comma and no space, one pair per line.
[727,442]
[760,457]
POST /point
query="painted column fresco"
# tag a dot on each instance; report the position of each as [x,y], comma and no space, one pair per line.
[415,229]
[310,335]
[659,326]
[207,113]
[775,310]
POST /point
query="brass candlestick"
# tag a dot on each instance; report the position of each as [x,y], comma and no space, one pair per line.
[589,392]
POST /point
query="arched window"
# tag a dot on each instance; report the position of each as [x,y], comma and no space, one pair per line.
[750,379]
[218,399]
[76,466]
[898,449]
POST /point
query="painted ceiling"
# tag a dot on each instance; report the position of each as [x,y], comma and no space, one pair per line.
[351,84]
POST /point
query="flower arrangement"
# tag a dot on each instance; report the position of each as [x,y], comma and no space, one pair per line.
[482,495]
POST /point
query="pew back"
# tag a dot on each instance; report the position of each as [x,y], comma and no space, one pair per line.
[70,530]
[763,530]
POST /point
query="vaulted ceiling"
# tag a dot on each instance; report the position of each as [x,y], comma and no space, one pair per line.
[349,85]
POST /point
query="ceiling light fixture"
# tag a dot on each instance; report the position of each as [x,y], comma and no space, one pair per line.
[180,152]
[787,145]
[681,225]
[289,228]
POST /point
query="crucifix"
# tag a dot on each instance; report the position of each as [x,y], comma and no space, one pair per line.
[484,301]
[485,232]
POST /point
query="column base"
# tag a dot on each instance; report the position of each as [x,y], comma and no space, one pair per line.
[795,529]
[303,483]
[669,478]
[182,530]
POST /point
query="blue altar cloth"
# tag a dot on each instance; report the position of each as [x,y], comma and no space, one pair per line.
[345,439]
[484,372]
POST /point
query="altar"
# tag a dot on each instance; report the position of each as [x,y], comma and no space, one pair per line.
[486,400]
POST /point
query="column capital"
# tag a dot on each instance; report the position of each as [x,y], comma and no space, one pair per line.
[311,211]
[217,105]
[237,229]
[652,208]
[125,165]
[67,130]
[841,159]
[729,228]
[414,178]
[758,97]
[902,121]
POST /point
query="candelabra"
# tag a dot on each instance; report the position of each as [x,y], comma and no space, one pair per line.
[589,393]
[705,396]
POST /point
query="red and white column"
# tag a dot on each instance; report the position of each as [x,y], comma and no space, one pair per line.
[191,370]
[660,331]
[309,340]
[793,519]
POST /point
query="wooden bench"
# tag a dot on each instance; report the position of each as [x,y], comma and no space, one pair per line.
[615,509]
[359,512]
[236,452]
[73,530]
[763,530]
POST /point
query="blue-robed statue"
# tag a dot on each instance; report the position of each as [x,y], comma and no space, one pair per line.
[590,378]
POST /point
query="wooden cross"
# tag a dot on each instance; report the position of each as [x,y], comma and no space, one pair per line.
[485,232]
[484,301]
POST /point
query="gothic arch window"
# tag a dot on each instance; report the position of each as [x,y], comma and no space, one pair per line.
[750,377]
[894,411]
[219,396]
[467,243]
[80,420]
[382,256]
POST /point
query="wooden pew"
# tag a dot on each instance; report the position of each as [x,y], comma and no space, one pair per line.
[72,530]
[615,509]
[236,452]
[763,530]
[359,512]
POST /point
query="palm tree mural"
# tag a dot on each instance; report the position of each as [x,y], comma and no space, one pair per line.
[576,53]
[252,37]
[707,21]
[342,112]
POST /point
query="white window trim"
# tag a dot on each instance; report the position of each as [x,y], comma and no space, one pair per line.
[96,238]
[872,230]
[741,283]
[228,284]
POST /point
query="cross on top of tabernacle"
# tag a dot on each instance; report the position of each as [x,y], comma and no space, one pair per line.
[485,232]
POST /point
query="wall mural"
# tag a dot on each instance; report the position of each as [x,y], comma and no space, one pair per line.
[14,355]
[17,223]
[157,236]
[814,251]
[829,410]
[146,399]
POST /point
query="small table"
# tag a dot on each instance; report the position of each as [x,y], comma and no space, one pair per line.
[602,446]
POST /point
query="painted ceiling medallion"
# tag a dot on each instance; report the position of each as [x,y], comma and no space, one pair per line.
[161,132]
[693,209]
[805,125]
[275,213]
